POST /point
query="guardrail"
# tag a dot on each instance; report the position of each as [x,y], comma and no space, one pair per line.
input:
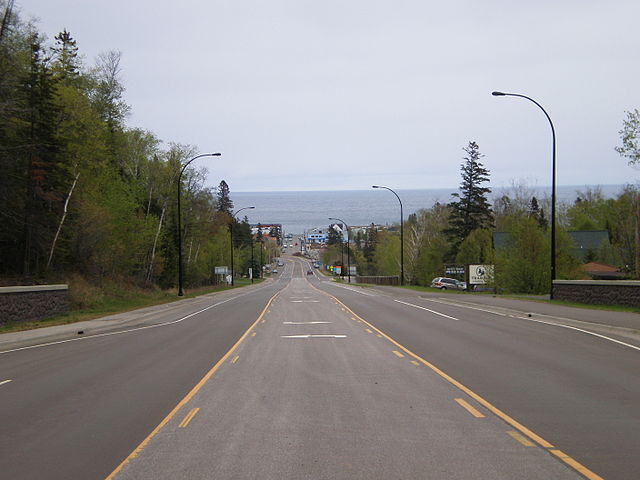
[32,303]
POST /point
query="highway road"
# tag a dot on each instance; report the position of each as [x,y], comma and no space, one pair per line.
[305,378]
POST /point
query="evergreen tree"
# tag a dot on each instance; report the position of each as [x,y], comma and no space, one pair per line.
[334,237]
[537,213]
[65,56]
[472,210]
[225,205]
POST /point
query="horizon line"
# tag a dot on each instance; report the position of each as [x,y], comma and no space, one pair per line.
[439,188]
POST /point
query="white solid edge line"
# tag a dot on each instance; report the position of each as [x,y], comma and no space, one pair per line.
[120,332]
[428,310]
[542,321]
[581,330]
[5,382]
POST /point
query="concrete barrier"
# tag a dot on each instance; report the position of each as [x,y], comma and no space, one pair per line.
[32,303]
[598,292]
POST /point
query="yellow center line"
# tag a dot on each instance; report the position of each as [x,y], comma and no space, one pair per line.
[520,438]
[235,359]
[575,465]
[368,330]
[398,354]
[190,395]
[189,417]
[415,363]
[469,408]
[253,334]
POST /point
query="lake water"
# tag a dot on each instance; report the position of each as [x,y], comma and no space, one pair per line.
[300,211]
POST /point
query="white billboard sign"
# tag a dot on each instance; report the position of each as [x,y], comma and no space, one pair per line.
[480,274]
[221,270]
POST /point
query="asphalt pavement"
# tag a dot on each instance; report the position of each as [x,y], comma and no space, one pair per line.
[303,377]
[313,392]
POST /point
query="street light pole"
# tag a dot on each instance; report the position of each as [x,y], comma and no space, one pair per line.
[553,183]
[348,251]
[401,233]
[233,218]
[252,264]
[180,272]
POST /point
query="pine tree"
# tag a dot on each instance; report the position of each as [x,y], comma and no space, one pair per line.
[537,213]
[65,56]
[472,210]
[225,205]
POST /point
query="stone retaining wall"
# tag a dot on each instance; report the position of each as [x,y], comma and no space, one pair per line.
[31,303]
[606,292]
[379,280]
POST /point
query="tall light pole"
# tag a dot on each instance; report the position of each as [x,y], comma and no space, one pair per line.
[261,248]
[180,272]
[252,261]
[233,219]
[553,183]
[348,252]
[401,233]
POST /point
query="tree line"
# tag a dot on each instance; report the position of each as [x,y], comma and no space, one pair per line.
[83,194]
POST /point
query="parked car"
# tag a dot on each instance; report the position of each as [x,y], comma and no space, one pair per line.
[444,283]
[309,272]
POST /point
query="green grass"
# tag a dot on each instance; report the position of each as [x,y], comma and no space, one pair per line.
[118,300]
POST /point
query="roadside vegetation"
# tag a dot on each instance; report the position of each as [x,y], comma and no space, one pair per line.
[513,233]
[89,302]
[89,201]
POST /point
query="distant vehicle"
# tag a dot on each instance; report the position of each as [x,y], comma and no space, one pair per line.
[275,270]
[444,283]
[309,272]
[280,263]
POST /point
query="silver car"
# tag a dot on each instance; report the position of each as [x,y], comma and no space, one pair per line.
[444,283]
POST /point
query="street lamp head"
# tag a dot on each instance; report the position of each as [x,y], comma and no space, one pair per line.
[375,186]
[498,94]
[216,154]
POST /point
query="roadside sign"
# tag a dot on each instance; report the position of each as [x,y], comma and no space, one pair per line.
[453,270]
[480,274]
[220,270]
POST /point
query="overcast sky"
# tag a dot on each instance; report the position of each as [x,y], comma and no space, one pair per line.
[320,95]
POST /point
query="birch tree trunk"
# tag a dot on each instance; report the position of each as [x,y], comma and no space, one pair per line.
[64,215]
[155,243]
